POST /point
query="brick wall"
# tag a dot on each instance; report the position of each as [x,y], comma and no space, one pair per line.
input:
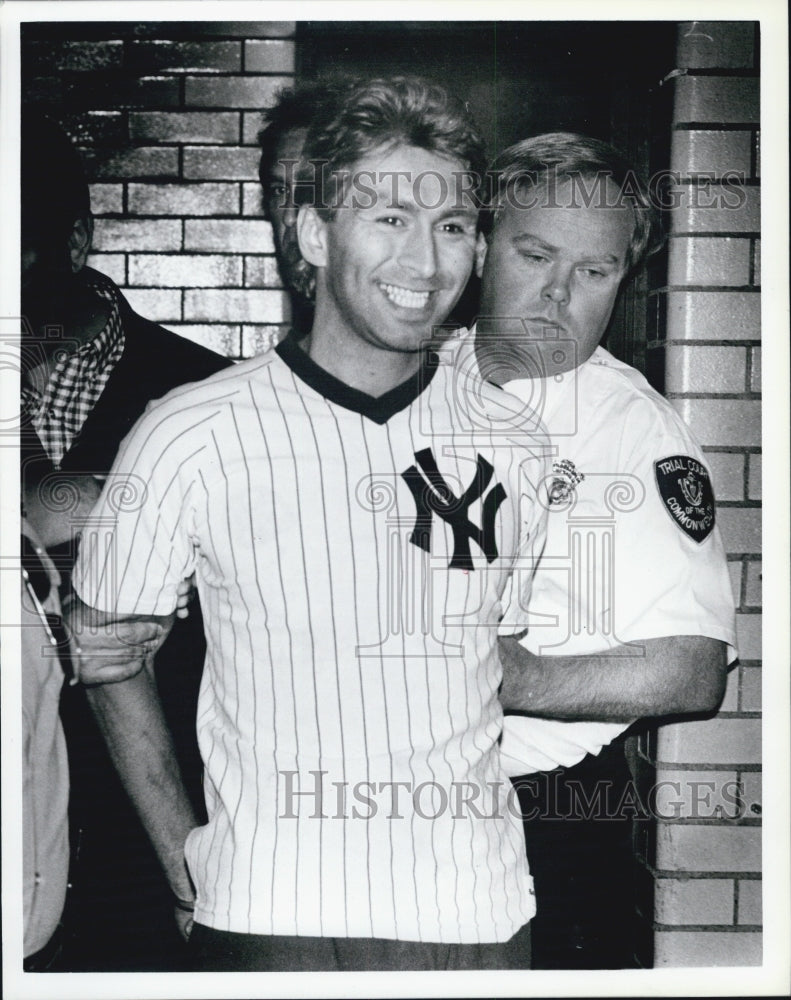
[166,116]
[705,858]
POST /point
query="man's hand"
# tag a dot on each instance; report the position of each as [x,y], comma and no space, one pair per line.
[184,596]
[109,648]
[184,920]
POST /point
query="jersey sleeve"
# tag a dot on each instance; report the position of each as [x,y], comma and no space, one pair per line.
[136,548]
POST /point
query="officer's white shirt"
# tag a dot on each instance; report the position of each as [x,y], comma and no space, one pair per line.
[629,554]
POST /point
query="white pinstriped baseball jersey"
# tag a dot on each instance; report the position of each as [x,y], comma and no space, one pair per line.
[351,555]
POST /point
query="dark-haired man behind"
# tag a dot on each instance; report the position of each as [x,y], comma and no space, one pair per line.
[90,367]
[281,140]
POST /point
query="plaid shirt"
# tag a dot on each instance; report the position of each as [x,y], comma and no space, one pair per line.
[77,381]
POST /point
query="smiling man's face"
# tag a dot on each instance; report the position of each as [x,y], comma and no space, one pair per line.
[399,250]
[558,266]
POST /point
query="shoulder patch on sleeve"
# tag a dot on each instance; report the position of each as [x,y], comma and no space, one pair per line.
[685,488]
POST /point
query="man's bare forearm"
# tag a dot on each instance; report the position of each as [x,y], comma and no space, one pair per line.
[676,674]
[129,713]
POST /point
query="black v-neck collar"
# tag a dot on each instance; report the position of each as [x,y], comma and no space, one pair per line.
[377,408]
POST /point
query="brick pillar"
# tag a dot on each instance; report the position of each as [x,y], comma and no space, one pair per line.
[166,115]
[706,858]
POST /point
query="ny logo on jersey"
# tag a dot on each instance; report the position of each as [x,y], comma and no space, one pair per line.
[433,496]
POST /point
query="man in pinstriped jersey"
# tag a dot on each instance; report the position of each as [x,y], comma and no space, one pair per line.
[355,513]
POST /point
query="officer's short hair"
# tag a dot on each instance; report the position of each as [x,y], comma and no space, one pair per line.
[555,157]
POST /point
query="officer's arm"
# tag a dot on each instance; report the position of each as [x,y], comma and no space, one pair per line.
[675,674]
[112,647]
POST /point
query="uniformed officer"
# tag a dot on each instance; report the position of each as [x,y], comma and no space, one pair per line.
[631,609]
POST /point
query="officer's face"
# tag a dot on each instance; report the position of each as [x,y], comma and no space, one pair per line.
[557,267]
